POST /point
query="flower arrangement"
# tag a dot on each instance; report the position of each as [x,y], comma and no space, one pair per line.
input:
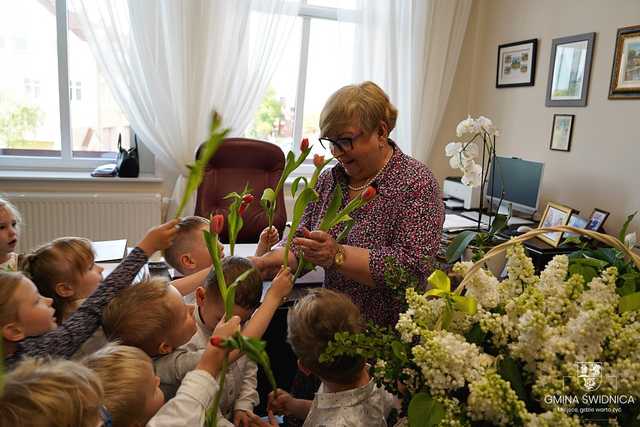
[536,350]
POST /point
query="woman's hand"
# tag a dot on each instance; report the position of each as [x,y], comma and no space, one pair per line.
[319,247]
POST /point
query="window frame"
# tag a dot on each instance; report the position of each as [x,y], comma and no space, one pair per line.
[65,161]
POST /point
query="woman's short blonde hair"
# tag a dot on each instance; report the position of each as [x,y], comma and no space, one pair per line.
[50,393]
[122,370]
[366,103]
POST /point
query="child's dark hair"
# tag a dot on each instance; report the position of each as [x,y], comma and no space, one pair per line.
[248,292]
[183,239]
[61,260]
[312,324]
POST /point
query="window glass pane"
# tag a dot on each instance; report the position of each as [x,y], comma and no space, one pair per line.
[29,108]
[330,68]
[96,119]
[339,4]
[275,116]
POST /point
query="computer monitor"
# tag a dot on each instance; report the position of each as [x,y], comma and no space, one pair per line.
[517,182]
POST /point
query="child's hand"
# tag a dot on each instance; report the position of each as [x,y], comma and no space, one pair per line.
[268,238]
[282,284]
[280,404]
[240,418]
[257,422]
[211,359]
[159,237]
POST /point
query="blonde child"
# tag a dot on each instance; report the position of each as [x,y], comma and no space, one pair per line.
[347,394]
[153,317]
[27,321]
[131,387]
[65,271]
[51,393]
[189,255]
[9,231]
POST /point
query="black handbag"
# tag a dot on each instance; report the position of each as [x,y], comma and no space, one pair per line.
[127,162]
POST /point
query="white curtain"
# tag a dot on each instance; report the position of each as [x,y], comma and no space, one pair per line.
[170,63]
[410,48]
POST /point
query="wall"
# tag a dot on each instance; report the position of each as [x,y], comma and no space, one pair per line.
[601,168]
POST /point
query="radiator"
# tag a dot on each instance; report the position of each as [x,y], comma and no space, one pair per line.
[96,216]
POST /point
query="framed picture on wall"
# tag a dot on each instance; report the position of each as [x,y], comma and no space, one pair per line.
[597,219]
[554,215]
[561,131]
[625,74]
[517,64]
[569,71]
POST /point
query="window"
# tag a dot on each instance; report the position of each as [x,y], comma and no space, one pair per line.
[49,59]
[317,62]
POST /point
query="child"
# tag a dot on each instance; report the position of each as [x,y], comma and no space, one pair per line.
[27,321]
[64,270]
[131,390]
[153,317]
[241,395]
[51,393]
[9,228]
[189,255]
[347,395]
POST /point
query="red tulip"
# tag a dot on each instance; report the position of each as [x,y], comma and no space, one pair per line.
[369,194]
[318,160]
[217,222]
[247,198]
[242,208]
[216,341]
[304,145]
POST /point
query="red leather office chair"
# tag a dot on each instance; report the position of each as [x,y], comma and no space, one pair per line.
[237,162]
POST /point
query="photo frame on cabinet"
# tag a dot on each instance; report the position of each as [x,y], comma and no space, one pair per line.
[554,214]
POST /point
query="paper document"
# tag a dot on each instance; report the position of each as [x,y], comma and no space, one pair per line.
[457,222]
[486,219]
[109,250]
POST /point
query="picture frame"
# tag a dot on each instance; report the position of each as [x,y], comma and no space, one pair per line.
[554,214]
[625,71]
[561,131]
[569,70]
[516,65]
[596,220]
[576,221]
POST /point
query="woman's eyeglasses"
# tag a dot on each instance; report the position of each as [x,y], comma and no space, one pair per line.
[344,144]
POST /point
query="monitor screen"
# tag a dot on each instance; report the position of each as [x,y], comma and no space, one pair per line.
[518,181]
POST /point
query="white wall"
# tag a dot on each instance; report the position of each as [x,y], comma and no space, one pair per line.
[602,168]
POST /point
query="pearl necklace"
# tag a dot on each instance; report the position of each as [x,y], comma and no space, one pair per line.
[366,184]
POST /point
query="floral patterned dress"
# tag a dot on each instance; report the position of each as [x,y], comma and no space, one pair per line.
[404,221]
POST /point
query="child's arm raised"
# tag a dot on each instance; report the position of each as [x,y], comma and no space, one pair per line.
[68,337]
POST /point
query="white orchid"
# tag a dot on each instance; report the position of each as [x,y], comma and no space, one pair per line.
[467,126]
[472,174]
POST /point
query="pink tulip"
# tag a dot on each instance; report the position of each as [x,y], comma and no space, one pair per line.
[304,145]
[217,223]
[369,194]
[318,160]
[247,198]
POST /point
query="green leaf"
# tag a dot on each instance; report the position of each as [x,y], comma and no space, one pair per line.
[332,209]
[399,351]
[345,231]
[499,223]
[476,335]
[294,185]
[587,272]
[459,244]
[628,287]
[307,196]
[425,411]
[598,264]
[439,280]
[629,302]
[465,304]
[436,293]
[510,371]
[625,227]
[212,245]
[268,197]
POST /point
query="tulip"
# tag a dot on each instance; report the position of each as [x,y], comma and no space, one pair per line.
[216,341]
[318,160]
[304,145]
[247,198]
[242,208]
[369,194]
[217,223]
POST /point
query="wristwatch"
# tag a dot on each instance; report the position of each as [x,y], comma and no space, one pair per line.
[338,259]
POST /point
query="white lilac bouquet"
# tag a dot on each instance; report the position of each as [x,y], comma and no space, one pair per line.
[532,350]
